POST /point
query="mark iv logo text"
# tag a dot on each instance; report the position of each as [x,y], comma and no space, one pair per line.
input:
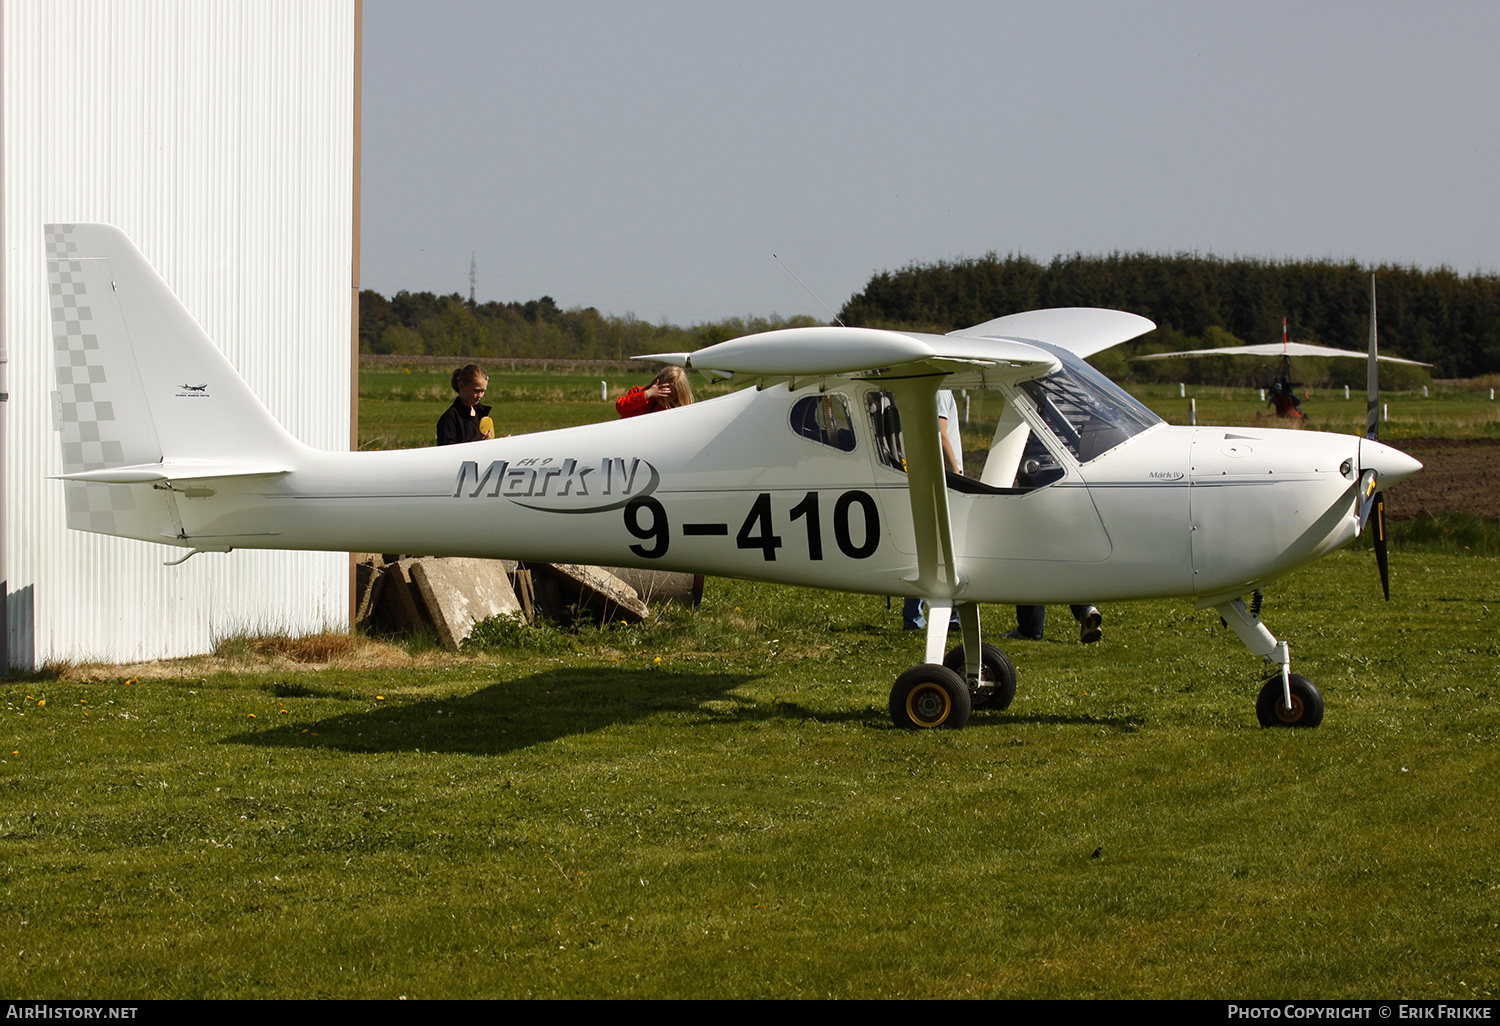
[559,486]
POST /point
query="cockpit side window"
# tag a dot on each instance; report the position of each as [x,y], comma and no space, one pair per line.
[824,418]
[885,423]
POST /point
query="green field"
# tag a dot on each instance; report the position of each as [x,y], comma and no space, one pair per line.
[399,407]
[715,804]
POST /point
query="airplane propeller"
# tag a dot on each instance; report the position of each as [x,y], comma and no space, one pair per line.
[1372,498]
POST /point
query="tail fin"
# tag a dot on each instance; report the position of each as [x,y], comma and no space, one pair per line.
[143,394]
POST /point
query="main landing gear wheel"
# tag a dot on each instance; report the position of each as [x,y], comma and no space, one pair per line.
[1307,704]
[997,671]
[930,697]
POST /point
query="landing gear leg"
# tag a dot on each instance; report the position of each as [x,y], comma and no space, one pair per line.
[930,695]
[989,674]
[1294,705]
[939,616]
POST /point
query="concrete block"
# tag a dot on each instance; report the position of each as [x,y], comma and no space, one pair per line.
[564,590]
[459,593]
[520,582]
[655,586]
[401,606]
[369,583]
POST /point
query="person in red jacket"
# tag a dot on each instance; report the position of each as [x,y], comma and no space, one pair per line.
[670,388]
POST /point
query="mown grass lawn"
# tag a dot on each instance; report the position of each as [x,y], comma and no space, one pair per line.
[715,804]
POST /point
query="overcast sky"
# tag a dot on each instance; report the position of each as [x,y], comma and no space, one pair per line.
[650,158]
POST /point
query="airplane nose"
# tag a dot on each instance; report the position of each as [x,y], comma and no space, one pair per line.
[1391,466]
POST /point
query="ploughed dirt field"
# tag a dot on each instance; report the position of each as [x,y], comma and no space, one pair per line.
[1458,476]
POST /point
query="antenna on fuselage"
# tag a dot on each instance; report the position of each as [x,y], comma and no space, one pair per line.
[810,292]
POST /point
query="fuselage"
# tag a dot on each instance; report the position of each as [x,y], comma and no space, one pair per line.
[796,487]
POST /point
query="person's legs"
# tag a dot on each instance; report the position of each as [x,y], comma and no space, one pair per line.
[1089,621]
[911,615]
[1029,623]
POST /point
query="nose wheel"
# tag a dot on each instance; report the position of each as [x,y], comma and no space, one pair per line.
[1287,699]
[930,697]
[1306,709]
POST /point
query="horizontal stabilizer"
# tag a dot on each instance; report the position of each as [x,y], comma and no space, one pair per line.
[173,470]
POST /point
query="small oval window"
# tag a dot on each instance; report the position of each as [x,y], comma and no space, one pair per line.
[825,419]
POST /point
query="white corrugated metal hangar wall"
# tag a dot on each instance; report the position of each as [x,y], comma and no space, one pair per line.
[220,135]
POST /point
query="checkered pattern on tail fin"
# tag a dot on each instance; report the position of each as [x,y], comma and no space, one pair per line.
[86,414]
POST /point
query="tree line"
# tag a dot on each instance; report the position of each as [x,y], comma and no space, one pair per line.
[421,323]
[1436,316]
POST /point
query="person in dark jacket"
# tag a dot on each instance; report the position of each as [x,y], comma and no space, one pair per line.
[467,420]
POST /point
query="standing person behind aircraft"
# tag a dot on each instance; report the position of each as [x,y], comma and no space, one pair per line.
[1030,621]
[467,420]
[669,388]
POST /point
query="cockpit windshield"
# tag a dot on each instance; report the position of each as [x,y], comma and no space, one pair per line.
[1088,413]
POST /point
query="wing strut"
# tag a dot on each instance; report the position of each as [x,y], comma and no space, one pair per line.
[937,574]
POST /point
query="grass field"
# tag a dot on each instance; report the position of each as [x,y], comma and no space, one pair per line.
[715,804]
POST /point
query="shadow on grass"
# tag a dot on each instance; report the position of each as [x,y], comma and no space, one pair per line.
[511,714]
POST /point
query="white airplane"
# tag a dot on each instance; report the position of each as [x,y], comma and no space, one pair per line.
[810,478]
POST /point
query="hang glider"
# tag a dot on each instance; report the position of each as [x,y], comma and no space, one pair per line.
[1280,349]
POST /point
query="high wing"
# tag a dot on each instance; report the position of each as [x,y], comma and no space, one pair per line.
[1010,341]
[1081,330]
[1279,349]
[803,353]
[912,366]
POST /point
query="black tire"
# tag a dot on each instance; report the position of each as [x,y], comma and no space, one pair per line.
[930,697]
[1307,704]
[998,672]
